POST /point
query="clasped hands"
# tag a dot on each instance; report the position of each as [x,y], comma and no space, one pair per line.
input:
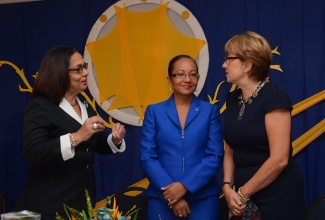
[236,206]
[174,193]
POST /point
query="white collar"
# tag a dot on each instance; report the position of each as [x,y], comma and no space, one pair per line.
[65,105]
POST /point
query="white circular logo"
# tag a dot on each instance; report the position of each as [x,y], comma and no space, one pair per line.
[128,50]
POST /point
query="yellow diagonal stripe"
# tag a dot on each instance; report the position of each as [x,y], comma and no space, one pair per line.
[305,139]
[305,104]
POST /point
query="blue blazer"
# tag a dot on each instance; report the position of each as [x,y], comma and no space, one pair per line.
[191,156]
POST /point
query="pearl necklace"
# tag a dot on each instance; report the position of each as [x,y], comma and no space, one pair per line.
[249,100]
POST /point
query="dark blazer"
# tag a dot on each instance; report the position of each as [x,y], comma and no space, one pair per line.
[191,156]
[52,181]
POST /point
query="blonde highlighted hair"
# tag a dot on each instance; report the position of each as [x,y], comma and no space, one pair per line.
[252,47]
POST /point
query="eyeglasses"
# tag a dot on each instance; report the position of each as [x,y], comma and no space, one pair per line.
[80,68]
[227,59]
[192,76]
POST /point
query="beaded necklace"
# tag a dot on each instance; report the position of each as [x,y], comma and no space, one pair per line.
[242,102]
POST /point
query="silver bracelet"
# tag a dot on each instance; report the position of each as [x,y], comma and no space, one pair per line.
[72,142]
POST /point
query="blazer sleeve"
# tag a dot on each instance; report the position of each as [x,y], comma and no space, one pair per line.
[39,150]
[155,172]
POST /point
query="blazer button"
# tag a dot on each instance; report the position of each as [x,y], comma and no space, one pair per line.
[88,166]
[88,149]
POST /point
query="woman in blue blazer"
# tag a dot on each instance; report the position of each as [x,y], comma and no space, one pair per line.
[182,149]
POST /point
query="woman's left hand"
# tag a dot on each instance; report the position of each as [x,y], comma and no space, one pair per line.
[181,209]
[118,133]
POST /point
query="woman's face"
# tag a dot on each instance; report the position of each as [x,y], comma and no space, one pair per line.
[78,74]
[184,77]
[234,68]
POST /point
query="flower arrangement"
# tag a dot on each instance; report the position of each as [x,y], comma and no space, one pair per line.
[103,213]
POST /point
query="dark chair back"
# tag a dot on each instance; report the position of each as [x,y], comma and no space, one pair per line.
[2,204]
[316,210]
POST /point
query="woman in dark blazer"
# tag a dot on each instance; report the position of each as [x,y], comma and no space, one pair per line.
[182,149]
[60,136]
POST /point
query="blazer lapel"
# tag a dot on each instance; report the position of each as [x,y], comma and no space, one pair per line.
[171,111]
[193,111]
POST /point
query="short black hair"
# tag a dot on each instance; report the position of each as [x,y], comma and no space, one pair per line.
[176,58]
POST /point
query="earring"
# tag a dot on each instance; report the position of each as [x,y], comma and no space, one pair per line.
[170,88]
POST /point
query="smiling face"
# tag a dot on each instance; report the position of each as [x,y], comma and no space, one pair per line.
[77,74]
[184,77]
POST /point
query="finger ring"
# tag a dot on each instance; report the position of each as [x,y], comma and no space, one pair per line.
[95,126]
[169,200]
[180,215]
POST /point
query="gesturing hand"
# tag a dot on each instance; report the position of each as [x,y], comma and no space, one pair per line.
[118,133]
[91,126]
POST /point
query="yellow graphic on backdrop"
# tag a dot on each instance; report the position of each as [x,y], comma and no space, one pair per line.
[131,62]
[298,145]
[145,56]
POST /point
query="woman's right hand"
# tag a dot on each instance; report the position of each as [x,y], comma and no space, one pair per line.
[236,206]
[91,126]
[174,192]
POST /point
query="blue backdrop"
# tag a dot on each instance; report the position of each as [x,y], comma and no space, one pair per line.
[28,30]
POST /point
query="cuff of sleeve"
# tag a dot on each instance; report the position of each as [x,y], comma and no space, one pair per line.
[113,147]
[66,150]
